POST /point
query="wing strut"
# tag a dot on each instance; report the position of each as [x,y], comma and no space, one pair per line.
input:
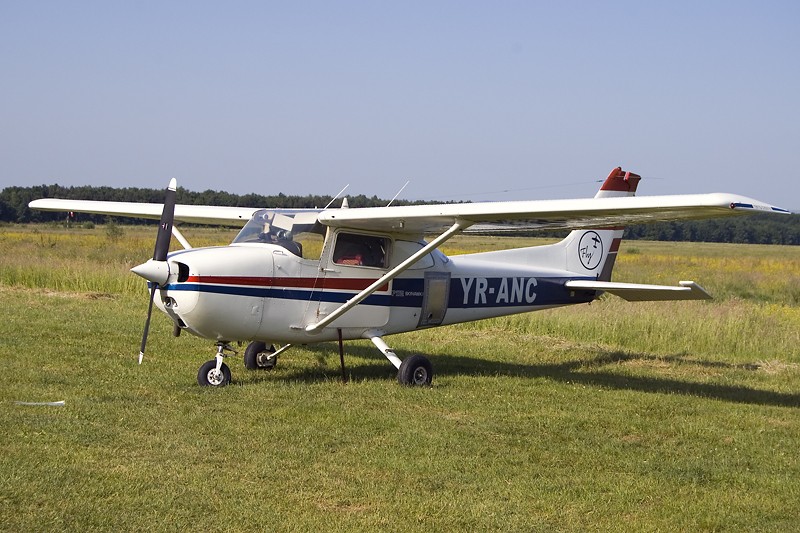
[181,239]
[456,228]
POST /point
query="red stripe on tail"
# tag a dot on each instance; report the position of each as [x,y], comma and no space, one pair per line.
[619,180]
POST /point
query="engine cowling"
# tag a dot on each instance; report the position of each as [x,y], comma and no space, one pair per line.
[218,293]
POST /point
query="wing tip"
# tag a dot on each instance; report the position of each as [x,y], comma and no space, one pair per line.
[752,205]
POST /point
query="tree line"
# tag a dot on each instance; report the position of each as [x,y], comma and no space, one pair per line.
[756,229]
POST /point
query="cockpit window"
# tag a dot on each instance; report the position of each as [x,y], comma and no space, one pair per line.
[281,228]
[361,250]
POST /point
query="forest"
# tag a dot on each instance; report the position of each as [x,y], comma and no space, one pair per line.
[757,229]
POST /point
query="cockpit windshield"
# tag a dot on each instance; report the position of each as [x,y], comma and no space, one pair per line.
[281,227]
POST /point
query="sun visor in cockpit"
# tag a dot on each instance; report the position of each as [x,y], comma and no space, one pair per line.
[282,222]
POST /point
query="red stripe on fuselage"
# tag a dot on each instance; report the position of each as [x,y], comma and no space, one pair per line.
[346,284]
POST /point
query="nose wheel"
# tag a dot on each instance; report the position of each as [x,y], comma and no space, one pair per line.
[215,373]
[210,376]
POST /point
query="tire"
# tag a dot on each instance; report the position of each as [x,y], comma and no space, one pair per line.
[209,377]
[416,371]
[255,356]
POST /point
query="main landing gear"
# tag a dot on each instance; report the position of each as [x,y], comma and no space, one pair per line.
[259,356]
[415,370]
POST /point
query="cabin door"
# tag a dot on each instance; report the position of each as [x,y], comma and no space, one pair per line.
[350,263]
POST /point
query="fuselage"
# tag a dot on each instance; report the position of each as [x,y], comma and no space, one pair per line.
[267,291]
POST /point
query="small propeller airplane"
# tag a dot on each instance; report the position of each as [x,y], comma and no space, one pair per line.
[377,275]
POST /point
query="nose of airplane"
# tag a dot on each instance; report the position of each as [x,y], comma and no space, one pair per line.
[152,270]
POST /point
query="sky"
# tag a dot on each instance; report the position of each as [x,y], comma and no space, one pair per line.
[464,100]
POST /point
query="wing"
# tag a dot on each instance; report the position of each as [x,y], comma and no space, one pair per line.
[547,214]
[195,214]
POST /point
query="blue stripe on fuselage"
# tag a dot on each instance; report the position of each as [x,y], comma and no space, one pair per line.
[479,292]
[465,293]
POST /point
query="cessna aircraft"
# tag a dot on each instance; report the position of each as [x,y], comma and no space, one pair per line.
[376,275]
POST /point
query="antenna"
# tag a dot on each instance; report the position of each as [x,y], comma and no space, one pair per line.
[337,196]
[398,193]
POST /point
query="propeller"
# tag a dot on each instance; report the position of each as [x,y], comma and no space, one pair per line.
[156,270]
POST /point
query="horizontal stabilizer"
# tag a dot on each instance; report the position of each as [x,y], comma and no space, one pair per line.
[635,292]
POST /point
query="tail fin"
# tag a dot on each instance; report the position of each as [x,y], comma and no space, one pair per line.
[589,253]
[593,252]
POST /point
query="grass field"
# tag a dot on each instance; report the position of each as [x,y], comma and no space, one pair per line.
[615,416]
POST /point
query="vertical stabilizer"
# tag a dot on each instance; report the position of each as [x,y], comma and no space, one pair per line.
[593,252]
[587,253]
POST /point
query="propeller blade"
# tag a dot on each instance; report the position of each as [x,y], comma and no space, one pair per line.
[165,224]
[160,255]
[147,323]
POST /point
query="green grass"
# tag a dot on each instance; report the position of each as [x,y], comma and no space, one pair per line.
[612,416]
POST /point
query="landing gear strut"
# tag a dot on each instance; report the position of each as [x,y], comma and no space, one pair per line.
[416,370]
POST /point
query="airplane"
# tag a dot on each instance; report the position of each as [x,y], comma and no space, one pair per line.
[377,275]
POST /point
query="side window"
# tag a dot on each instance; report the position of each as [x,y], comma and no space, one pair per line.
[402,250]
[361,250]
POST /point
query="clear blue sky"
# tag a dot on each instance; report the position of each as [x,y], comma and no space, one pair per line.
[465,99]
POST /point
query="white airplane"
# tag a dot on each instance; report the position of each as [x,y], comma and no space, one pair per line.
[377,275]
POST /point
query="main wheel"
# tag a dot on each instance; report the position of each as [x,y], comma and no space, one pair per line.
[209,376]
[415,370]
[256,356]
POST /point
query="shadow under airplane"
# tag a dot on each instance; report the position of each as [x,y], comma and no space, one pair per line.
[586,371]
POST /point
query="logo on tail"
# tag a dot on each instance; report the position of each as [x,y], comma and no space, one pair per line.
[590,250]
